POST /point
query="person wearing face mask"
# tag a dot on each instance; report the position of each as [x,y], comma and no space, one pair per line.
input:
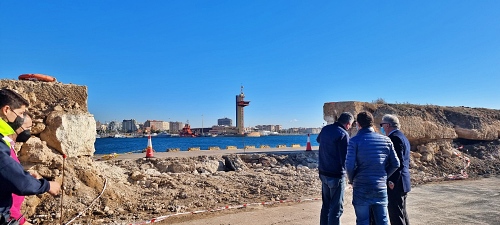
[333,140]
[13,178]
[22,134]
[369,161]
[399,182]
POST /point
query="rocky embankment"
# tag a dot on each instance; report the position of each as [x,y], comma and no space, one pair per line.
[140,189]
[443,139]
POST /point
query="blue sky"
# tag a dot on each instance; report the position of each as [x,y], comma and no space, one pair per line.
[179,60]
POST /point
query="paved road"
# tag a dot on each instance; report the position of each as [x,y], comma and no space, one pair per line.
[452,202]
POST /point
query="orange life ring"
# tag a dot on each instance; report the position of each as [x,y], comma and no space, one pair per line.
[37,77]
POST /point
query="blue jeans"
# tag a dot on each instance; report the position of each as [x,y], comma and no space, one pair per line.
[333,199]
[365,199]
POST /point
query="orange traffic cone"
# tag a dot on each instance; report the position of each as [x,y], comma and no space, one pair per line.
[308,147]
[149,149]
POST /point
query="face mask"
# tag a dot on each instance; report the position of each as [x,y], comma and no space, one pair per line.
[18,122]
[23,136]
[382,130]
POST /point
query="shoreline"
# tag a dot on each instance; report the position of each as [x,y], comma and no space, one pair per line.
[137,155]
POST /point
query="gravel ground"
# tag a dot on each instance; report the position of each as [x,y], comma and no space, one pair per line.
[140,189]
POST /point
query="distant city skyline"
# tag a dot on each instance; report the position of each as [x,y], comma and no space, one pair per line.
[179,60]
[206,126]
[134,129]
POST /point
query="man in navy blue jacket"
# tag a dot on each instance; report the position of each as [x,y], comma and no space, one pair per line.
[399,182]
[370,160]
[13,178]
[333,140]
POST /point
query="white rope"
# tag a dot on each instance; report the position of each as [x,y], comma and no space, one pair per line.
[463,173]
[81,212]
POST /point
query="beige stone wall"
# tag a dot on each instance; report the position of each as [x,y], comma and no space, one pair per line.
[428,123]
[61,125]
[61,118]
[46,96]
[430,129]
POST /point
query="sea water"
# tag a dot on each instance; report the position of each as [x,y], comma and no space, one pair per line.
[161,144]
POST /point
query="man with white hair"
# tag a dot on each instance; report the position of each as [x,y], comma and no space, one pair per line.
[399,182]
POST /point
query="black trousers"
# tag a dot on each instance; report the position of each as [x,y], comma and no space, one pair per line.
[397,207]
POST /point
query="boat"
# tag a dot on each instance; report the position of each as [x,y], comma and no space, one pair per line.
[117,136]
[37,77]
[186,131]
[163,134]
[152,135]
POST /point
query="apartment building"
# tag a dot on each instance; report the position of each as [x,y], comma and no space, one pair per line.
[129,126]
[225,122]
[271,128]
[174,127]
[157,125]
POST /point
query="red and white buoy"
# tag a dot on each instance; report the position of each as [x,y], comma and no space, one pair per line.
[149,149]
[308,147]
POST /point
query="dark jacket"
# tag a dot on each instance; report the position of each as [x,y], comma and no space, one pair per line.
[401,178]
[332,141]
[13,179]
[370,159]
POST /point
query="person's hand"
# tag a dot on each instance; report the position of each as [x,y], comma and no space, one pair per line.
[391,185]
[55,188]
[35,175]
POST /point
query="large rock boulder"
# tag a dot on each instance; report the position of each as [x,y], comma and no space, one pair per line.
[36,151]
[70,133]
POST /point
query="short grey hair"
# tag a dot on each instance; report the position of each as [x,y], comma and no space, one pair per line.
[345,118]
[392,120]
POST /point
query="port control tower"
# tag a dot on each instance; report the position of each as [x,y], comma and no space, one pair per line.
[240,103]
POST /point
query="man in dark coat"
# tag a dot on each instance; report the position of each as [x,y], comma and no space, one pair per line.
[333,140]
[399,182]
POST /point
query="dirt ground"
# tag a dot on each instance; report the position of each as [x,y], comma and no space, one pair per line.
[450,202]
[141,189]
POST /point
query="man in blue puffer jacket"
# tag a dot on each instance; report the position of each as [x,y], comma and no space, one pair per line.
[370,160]
[333,140]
